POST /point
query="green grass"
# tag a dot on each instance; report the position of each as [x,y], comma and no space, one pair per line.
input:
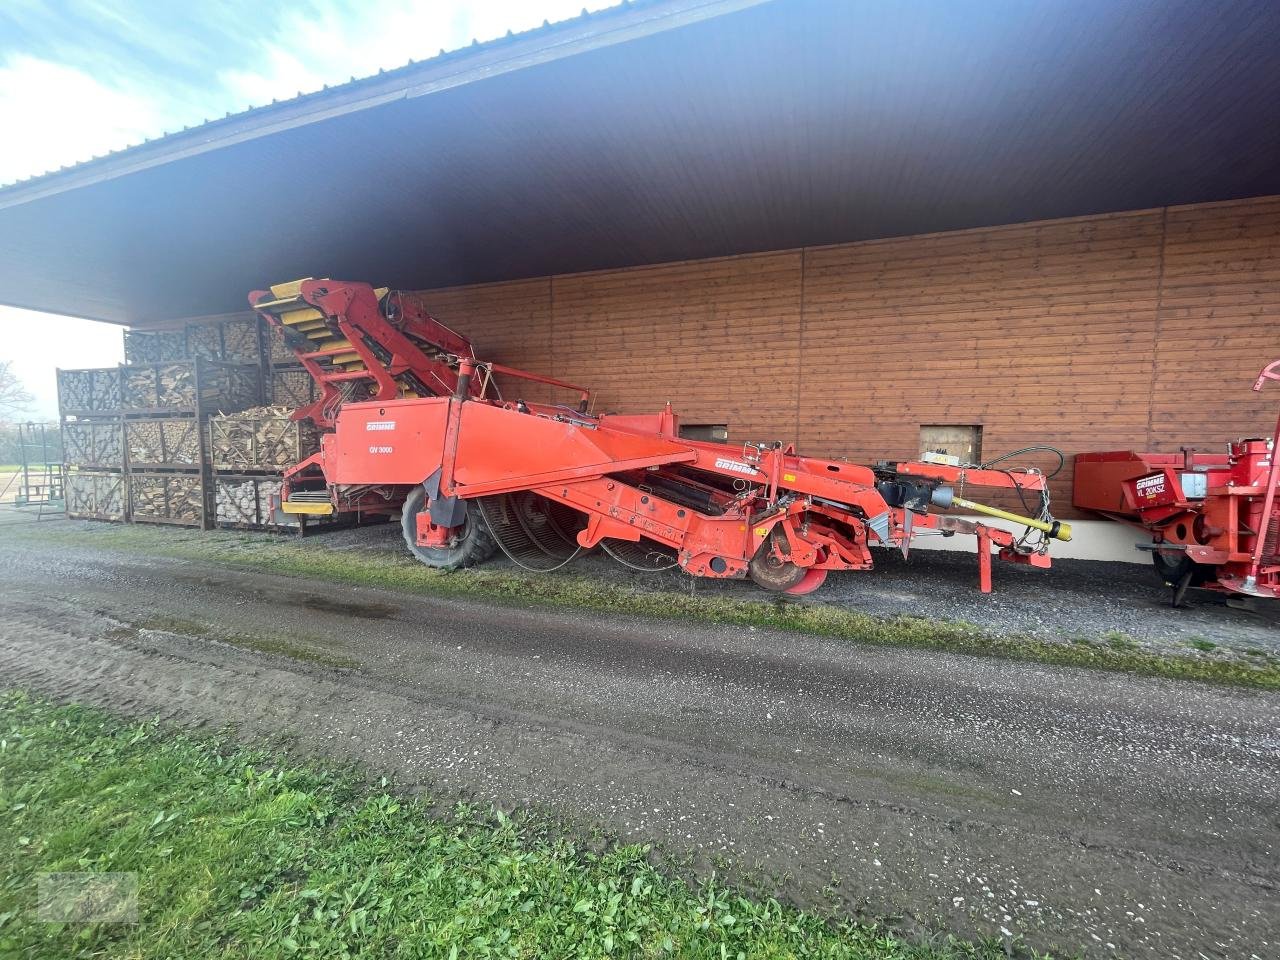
[240,854]
[1112,651]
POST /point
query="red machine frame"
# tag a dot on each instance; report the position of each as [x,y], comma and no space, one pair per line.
[1213,518]
[726,511]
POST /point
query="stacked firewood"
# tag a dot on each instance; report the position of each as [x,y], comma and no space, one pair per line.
[170,442]
[154,346]
[93,392]
[241,340]
[280,351]
[89,443]
[204,340]
[292,388]
[245,501]
[160,386]
[236,339]
[96,494]
[167,497]
[261,438]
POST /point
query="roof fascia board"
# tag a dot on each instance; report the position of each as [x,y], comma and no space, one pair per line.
[490,60]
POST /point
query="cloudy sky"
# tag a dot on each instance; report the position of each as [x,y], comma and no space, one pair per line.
[83,77]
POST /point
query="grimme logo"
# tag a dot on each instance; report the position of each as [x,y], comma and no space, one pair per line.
[1150,486]
[735,466]
[380,425]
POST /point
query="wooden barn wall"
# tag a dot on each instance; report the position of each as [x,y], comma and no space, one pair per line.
[1130,330]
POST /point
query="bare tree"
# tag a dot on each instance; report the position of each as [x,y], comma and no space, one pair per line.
[14,397]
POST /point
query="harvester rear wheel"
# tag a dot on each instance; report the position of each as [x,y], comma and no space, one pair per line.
[470,544]
[772,572]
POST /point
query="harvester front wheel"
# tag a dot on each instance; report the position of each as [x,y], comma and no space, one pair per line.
[1173,568]
[469,544]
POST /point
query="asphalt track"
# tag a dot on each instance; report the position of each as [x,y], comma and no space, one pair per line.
[1115,815]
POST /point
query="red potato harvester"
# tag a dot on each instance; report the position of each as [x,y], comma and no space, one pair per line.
[420,427]
[1213,517]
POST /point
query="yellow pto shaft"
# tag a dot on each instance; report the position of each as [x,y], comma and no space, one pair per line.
[1055,529]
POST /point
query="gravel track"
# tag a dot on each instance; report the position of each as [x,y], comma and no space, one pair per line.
[1117,815]
[1076,598]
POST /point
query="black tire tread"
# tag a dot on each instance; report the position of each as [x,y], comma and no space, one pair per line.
[475,548]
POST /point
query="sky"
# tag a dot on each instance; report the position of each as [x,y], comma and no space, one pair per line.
[88,76]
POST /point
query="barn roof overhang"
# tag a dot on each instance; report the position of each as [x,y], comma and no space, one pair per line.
[667,130]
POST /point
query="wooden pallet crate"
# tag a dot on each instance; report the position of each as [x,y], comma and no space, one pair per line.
[173,443]
[292,387]
[260,439]
[247,502]
[154,346]
[192,386]
[181,499]
[278,351]
[204,340]
[96,494]
[89,393]
[242,339]
[93,443]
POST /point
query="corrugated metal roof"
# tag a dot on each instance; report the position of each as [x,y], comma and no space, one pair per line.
[666,131]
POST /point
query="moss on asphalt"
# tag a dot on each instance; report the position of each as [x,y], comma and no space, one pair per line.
[257,552]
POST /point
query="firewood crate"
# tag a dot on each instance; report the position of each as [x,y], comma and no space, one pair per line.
[245,501]
[278,351]
[262,439]
[292,387]
[165,443]
[93,443]
[235,339]
[181,499]
[155,346]
[242,339]
[96,494]
[195,386]
[89,393]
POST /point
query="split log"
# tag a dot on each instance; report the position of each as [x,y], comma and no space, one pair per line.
[95,494]
[292,387]
[172,387]
[89,392]
[167,498]
[242,340]
[280,351]
[171,442]
[92,443]
[154,346]
[204,340]
[246,501]
[261,438]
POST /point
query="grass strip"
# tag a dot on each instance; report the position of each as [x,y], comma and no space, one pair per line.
[240,854]
[256,552]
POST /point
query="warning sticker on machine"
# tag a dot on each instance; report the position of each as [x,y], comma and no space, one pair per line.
[380,425]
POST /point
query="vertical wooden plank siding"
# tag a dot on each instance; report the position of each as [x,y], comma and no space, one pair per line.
[718,338]
[1131,330]
[508,323]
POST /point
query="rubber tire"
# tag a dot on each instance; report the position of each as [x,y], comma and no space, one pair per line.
[476,546]
[1171,572]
